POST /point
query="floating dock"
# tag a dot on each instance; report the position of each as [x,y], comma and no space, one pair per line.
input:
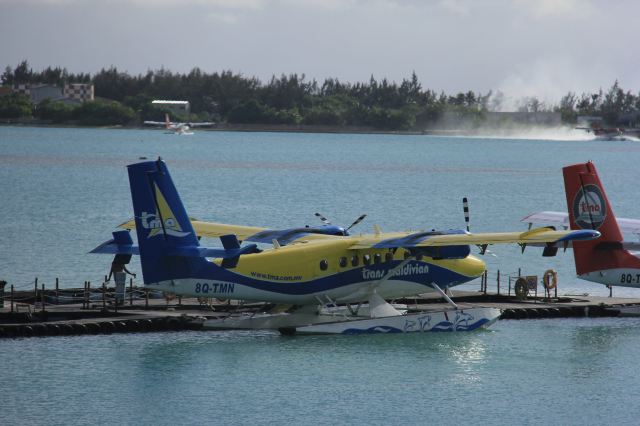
[49,315]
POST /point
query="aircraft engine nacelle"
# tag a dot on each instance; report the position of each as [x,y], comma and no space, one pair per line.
[444,252]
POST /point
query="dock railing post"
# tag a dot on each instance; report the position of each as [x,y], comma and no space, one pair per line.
[35,294]
[42,299]
[509,291]
[11,298]
[85,296]
[104,296]
[57,296]
[498,282]
[131,291]
[2,285]
[486,279]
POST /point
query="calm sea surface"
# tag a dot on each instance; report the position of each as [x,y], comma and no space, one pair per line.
[63,191]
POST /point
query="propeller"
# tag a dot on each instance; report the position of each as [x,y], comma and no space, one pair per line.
[355,222]
[323,219]
[465,208]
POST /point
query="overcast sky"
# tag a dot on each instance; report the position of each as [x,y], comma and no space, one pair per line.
[520,47]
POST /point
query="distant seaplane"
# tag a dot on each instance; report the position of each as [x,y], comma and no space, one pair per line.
[606,133]
[308,271]
[178,128]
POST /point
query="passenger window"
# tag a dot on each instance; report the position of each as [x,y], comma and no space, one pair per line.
[419,257]
[377,258]
[388,256]
[324,264]
[343,262]
[355,261]
[366,259]
[407,254]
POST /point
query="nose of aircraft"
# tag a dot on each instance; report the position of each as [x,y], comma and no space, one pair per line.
[473,267]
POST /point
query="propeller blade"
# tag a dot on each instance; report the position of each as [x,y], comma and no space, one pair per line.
[465,207]
[357,221]
[323,219]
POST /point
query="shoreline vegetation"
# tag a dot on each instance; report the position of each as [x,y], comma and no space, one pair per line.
[226,127]
[293,103]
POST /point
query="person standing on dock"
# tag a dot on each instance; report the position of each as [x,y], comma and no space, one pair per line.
[119,271]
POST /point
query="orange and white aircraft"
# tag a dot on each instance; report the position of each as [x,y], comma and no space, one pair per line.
[608,260]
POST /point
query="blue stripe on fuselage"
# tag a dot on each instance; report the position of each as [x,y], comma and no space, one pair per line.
[440,275]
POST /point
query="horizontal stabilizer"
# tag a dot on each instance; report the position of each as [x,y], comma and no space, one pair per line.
[120,244]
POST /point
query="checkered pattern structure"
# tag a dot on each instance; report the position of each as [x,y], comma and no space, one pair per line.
[79,91]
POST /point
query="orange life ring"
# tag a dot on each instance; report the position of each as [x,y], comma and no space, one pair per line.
[550,279]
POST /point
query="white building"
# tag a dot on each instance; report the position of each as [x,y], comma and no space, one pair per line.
[179,107]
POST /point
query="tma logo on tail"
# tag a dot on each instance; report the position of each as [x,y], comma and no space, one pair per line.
[589,207]
[153,221]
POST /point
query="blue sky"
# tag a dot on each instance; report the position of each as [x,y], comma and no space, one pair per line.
[522,48]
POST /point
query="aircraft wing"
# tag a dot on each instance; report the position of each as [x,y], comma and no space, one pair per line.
[155,123]
[562,219]
[213,229]
[460,238]
[548,217]
[202,124]
[248,233]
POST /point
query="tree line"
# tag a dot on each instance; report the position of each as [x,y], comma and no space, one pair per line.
[289,99]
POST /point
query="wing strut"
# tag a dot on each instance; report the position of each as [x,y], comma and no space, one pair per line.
[444,295]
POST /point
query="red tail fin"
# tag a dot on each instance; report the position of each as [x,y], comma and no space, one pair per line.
[589,208]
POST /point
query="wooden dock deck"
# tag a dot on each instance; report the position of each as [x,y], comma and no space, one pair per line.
[30,318]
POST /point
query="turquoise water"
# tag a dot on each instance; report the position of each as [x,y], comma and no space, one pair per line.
[64,190]
[571,371]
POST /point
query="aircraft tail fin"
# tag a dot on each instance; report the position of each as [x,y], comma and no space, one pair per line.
[163,228]
[167,122]
[589,208]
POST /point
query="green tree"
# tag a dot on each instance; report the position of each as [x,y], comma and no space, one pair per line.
[99,113]
[15,105]
[57,112]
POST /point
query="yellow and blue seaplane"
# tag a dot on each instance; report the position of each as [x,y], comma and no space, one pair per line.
[324,279]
